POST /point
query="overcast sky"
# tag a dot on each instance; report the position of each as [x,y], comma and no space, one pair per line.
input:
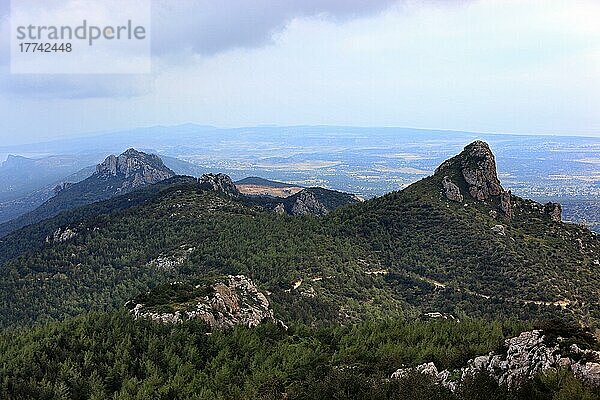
[502,66]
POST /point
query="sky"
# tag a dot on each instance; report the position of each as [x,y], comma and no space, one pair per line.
[501,66]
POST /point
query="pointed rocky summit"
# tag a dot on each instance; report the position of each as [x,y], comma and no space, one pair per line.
[472,174]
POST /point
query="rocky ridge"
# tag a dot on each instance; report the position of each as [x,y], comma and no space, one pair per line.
[526,355]
[315,201]
[231,301]
[306,202]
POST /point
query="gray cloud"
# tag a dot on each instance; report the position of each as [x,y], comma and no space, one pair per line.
[208,27]
[4,34]
[203,27]
[75,86]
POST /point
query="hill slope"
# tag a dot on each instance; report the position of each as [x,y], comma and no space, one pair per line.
[407,253]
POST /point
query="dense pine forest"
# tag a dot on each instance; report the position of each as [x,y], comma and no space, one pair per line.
[102,355]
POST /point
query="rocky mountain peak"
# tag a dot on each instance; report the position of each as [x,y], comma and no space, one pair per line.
[219,183]
[473,172]
[132,162]
[476,166]
[135,167]
[13,161]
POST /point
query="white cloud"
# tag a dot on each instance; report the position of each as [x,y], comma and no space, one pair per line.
[506,66]
[501,66]
[209,27]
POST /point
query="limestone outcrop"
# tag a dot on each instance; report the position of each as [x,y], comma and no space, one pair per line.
[230,301]
[451,191]
[219,183]
[134,169]
[526,356]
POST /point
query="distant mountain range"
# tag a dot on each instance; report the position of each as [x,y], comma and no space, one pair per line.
[133,169]
[19,176]
[365,161]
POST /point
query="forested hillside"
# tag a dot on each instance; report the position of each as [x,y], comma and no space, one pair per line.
[440,272]
[407,253]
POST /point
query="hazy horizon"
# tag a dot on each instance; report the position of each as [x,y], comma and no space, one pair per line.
[523,67]
[220,129]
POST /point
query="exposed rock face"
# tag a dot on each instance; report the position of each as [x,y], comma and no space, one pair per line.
[589,372]
[475,169]
[314,200]
[554,211]
[499,229]
[233,301]
[551,211]
[476,164]
[307,203]
[451,190]
[527,355]
[60,187]
[506,204]
[61,235]
[428,369]
[219,183]
[134,168]
[479,170]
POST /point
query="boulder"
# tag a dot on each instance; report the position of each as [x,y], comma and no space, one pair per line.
[553,211]
[499,229]
[451,190]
